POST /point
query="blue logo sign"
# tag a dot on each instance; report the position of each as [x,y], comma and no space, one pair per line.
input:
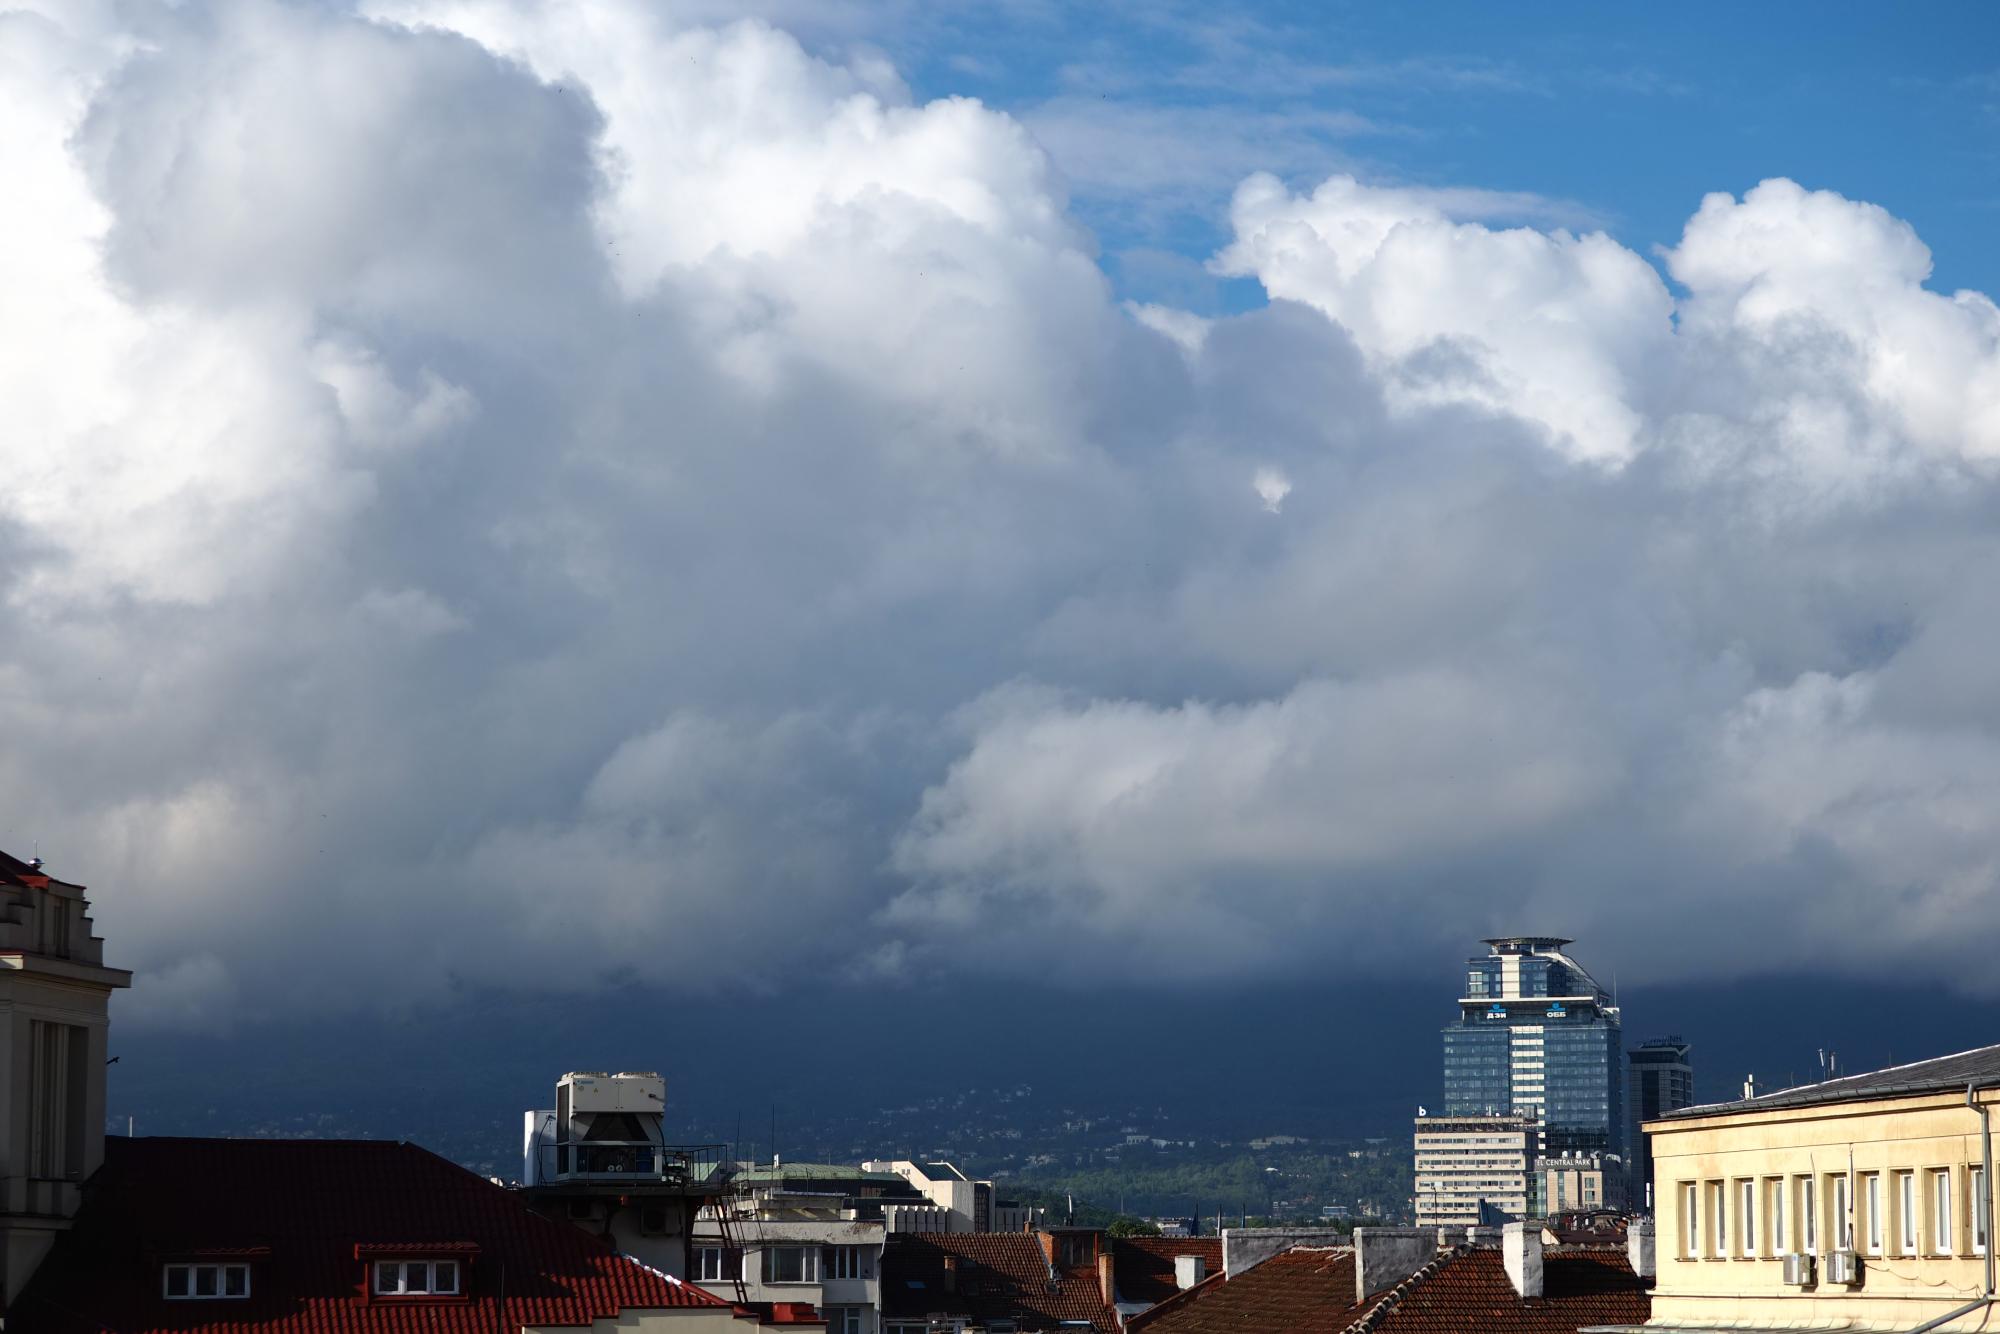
[1496,1012]
[1557,1011]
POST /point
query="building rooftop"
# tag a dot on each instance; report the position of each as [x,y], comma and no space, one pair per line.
[1309,1290]
[29,874]
[308,1216]
[988,1276]
[764,1173]
[1143,1267]
[1938,1075]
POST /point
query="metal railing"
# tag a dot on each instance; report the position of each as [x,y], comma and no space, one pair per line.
[630,1160]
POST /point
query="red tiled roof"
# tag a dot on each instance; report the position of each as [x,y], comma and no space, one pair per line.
[1143,1267]
[998,1276]
[1470,1290]
[321,1207]
[1305,1291]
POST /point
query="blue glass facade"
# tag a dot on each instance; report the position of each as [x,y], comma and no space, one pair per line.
[1536,1036]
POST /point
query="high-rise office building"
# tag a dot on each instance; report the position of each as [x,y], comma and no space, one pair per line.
[1537,1037]
[1660,1079]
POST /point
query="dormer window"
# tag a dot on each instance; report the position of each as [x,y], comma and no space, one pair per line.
[416,1278]
[204,1282]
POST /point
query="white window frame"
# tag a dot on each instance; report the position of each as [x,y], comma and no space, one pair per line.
[1843,1213]
[1690,1220]
[808,1264]
[1776,1188]
[721,1272]
[844,1319]
[1746,1218]
[846,1262]
[392,1278]
[1940,1200]
[1906,1212]
[192,1272]
[1808,1216]
[1718,1205]
[1871,1200]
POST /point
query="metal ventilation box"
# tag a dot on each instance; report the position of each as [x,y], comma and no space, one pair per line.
[1843,1267]
[587,1092]
[1799,1271]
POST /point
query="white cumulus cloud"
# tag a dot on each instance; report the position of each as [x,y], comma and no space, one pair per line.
[538,494]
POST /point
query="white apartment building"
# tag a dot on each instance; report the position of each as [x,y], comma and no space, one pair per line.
[801,1234]
[964,1205]
[1474,1169]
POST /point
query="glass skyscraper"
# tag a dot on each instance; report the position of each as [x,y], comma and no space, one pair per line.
[1537,1037]
[1662,1081]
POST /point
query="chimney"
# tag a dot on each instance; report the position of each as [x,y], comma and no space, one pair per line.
[1048,1241]
[1521,1253]
[1639,1246]
[1106,1286]
[1188,1271]
[1385,1256]
[950,1274]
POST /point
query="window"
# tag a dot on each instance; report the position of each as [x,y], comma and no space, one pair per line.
[1690,1220]
[1808,1218]
[416,1278]
[843,1319]
[1716,1199]
[1871,1199]
[791,1264]
[1975,1184]
[1746,1217]
[1906,1212]
[1779,1241]
[191,1282]
[1941,1211]
[1843,1215]
[847,1261]
[716,1264]
[56,1066]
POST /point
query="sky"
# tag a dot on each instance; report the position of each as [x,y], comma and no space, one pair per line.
[566,497]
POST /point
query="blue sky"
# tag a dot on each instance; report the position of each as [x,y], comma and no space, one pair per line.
[1621,116]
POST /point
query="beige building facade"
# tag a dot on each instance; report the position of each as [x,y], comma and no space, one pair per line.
[55,992]
[1473,1169]
[1865,1203]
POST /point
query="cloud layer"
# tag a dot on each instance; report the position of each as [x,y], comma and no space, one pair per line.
[538,495]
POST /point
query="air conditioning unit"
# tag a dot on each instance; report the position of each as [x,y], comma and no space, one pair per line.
[1843,1267]
[1798,1271]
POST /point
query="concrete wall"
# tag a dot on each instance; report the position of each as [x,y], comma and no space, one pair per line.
[1246,1248]
[1385,1256]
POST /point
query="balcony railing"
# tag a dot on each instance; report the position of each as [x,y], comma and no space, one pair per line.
[630,1160]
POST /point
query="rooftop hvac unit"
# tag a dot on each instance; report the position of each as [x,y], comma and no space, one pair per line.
[634,1093]
[1843,1267]
[1798,1271]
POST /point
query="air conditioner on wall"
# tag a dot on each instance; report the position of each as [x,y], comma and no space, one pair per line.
[1798,1271]
[1843,1267]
